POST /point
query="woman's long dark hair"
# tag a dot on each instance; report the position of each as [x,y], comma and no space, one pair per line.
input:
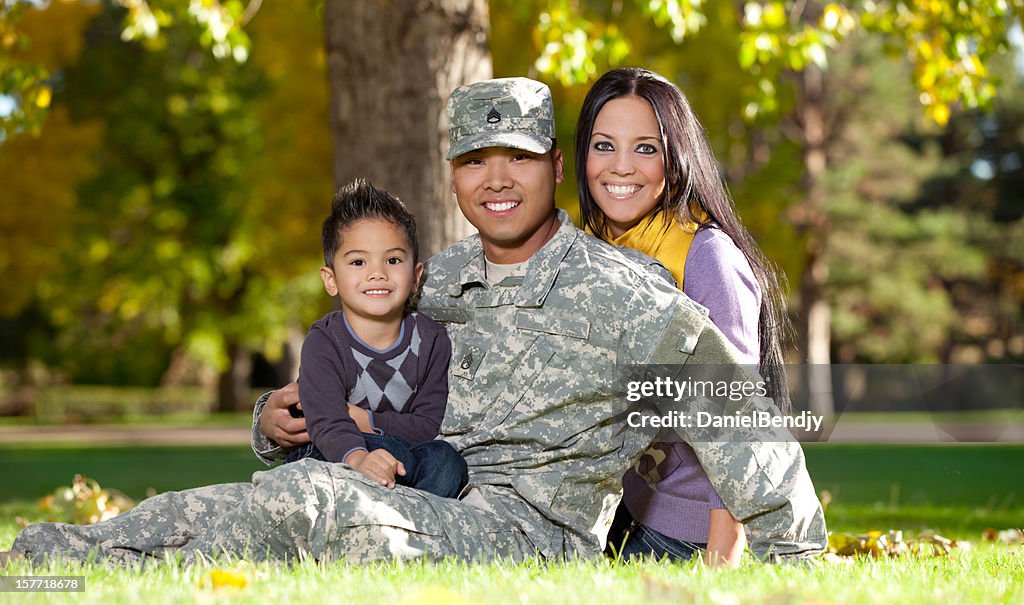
[692,182]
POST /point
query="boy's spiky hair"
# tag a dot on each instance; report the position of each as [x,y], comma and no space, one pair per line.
[360,200]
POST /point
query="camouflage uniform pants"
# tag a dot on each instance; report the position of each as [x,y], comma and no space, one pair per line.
[155,528]
[306,509]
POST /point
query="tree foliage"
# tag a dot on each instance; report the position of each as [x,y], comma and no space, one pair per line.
[39,174]
[31,48]
[173,197]
[949,44]
[188,185]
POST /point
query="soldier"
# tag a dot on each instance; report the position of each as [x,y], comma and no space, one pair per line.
[543,318]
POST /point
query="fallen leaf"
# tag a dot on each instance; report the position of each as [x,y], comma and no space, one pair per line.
[433,595]
[891,544]
[1006,536]
[83,502]
[224,579]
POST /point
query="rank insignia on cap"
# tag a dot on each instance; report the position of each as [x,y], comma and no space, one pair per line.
[516,113]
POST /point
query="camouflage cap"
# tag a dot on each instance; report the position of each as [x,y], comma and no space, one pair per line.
[507,112]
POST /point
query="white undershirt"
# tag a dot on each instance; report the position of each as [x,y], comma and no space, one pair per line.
[496,273]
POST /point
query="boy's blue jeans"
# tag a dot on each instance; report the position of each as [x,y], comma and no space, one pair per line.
[431,466]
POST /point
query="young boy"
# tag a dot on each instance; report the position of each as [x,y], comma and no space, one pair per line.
[373,379]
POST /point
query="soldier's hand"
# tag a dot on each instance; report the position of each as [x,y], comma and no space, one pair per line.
[277,423]
[378,465]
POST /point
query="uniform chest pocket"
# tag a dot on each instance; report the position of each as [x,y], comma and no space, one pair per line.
[541,321]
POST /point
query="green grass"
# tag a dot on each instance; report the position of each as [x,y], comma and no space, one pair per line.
[987,575]
[31,472]
[957,490]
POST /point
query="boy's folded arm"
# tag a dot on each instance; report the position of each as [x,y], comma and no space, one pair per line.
[321,385]
[331,428]
[411,426]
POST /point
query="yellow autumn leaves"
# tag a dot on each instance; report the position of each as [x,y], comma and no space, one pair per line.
[891,544]
[81,503]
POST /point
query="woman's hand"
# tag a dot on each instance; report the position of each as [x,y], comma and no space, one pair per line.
[726,540]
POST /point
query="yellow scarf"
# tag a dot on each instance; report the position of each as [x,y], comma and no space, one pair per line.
[662,237]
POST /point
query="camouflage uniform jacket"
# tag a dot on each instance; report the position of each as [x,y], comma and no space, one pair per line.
[538,406]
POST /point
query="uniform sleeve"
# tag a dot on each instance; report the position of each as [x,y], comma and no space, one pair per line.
[322,390]
[421,420]
[265,449]
[759,473]
[719,278]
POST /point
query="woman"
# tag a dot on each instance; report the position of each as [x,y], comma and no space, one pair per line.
[647,179]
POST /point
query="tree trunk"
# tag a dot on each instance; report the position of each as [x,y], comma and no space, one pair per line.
[287,368]
[815,313]
[233,393]
[392,64]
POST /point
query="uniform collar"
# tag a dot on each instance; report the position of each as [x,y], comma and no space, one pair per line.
[541,268]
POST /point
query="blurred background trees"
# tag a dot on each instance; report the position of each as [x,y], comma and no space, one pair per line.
[185,189]
[164,166]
